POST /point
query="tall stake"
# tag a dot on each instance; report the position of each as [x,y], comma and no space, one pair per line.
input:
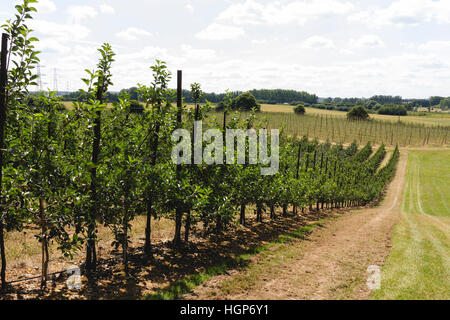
[154,159]
[298,169]
[178,211]
[91,253]
[3,80]
[188,213]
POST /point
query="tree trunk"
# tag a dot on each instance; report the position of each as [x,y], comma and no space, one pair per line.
[259,213]
[285,206]
[125,242]
[148,229]
[3,256]
[242,216]
[272,212]
[187,226]
[219,224]
[178,222]
[44,247]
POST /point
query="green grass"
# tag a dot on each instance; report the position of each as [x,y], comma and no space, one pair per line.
[419,264]
[429,183]
[178,288]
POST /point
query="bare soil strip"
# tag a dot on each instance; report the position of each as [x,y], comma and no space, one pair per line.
[331,264]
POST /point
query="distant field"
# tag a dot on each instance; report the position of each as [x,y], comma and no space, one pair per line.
[442,119]
[339,129]
[419,264]
[432,129]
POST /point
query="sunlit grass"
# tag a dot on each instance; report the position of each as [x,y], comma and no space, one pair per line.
[419,264]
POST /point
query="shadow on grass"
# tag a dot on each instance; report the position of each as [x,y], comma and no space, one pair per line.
[170,272]
[178,288]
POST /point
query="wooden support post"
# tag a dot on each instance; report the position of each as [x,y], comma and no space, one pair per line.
[3,82]
[178,211]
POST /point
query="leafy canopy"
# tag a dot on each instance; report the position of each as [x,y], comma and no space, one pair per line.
[358,113]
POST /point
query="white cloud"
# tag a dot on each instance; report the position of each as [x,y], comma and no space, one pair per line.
[217,31]
[438,52]
[318,42]
[252,12]
[45,6]
[330,57]
[128,66]
[133,34]
[435,47]
[79,13]
[406,13]
[259,41]
[53,45]
[107,9]
[198,54]
[367,41]
[67,31]
[189,7]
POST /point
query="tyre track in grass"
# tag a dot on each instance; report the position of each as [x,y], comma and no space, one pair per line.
[419,264]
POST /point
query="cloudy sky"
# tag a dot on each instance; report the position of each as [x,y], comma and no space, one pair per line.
[333,48]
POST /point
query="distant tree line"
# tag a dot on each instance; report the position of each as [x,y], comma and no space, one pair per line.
[390,105]
[266,96]
[394,105]
[393,109]
[284,96]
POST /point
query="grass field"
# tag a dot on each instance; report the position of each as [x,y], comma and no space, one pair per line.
[419,264]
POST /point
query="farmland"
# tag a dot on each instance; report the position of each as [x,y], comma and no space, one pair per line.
[338,129]
[430,129]
[425,118]
[151,198]
[68,171]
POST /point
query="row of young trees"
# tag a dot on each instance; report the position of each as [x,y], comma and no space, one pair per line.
[67,171]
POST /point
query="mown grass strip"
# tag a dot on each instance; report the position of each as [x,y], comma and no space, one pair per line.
[178,288]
